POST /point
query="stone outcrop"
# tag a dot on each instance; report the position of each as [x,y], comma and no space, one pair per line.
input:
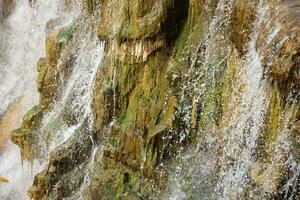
[63,177]
[156,96]
[49,86]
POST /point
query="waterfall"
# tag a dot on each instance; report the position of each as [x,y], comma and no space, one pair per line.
[24,32]
[77,96]
[163,99]
[23,36]
[224,163]
[240,141]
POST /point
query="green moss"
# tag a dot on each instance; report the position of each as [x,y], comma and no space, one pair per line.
[273,117]
[273,125]
[66,35]
[212,100]
[192,196]
[119,183]
[47,179]
[53,196]
[135,183]
[131,114]
[261,171]
[42,71]
[128,77]
[31,118]
[182,39]
[119,186]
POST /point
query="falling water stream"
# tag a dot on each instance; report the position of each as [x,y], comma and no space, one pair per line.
[25,32]
[240,142]
[205,173]
[23,36]
[222,164]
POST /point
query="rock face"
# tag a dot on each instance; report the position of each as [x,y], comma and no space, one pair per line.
[51,72]
[172,81]
[7,7]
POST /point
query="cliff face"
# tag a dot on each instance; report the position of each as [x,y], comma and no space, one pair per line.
[182,85]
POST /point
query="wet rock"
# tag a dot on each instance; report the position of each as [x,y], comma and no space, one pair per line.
[137,51]
[40,186]
[295,141]
[51,71]
[66,169]
[155,96]
[132,84]
[91,6]
[242,19]
[53,50]
[278,44]
[129,22]
[7,7]
[268,176]
[119,183]
[42,71]
[22,136]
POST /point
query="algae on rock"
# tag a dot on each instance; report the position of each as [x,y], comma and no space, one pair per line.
[173,82]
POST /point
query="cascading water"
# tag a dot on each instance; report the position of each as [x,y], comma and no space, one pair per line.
[240,141]
[224,164]
[77,96]
[199,113]
[26,44]
[24,33]
[72,112]
[23,36]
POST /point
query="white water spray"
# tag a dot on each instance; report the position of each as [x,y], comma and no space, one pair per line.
[23,36]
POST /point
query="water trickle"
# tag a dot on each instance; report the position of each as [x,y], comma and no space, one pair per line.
[241,141]
[77,96]
[88,175]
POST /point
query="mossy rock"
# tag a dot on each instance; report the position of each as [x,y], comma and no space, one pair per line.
[42,71]
[17,136]
[119,183]
[32,118]
[66,35]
